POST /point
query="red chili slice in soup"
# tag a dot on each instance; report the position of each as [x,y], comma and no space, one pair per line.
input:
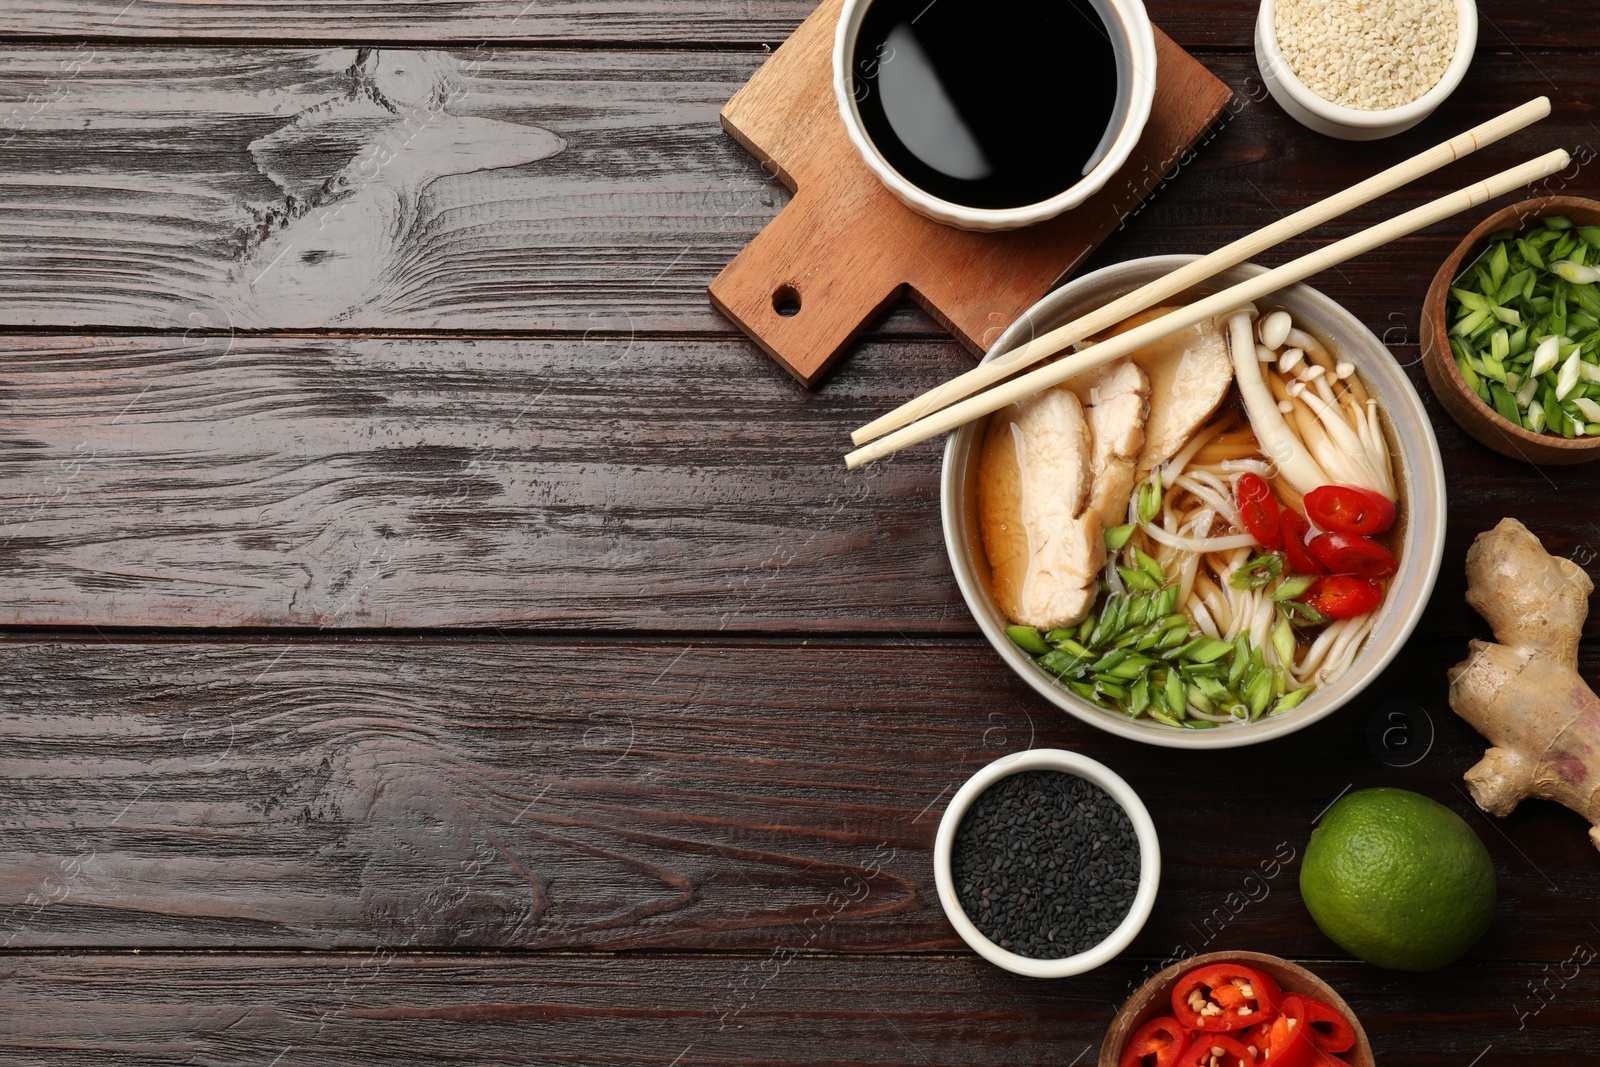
[1343,596]
[1349,509]
[1258,508]
[1343,553]
[1295,531]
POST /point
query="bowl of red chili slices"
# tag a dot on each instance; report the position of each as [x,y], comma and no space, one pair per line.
[1236,1009]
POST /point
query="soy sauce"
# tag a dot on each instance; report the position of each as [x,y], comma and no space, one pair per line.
[990,103]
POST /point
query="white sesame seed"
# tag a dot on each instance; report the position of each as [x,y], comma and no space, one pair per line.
[1371,55]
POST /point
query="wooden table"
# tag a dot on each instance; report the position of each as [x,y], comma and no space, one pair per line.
[432,631]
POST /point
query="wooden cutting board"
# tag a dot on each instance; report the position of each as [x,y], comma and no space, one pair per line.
[844,247]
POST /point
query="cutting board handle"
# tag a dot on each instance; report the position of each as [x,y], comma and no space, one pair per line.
[801,289]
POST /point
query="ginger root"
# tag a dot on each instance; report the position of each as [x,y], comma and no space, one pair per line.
[1525,694]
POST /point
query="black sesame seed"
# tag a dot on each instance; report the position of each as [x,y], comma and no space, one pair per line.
[1070,857]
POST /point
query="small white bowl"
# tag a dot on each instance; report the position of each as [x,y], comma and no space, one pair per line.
[1137,60]
[1348,123]
[1144,899]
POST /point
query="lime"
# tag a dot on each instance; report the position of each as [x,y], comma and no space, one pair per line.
[1398,880]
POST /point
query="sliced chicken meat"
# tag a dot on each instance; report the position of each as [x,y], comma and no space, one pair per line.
[1044,541]
[1116,399]
[1190,374]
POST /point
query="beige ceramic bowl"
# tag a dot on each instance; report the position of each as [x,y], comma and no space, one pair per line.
[1154,999]
[1418,468]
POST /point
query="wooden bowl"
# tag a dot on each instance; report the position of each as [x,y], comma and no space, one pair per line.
[1154,999]
[1477,418]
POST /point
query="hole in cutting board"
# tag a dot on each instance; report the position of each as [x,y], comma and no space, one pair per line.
[786,301]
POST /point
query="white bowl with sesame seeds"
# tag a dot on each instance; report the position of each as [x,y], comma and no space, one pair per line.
[1361,72]
[1144,830]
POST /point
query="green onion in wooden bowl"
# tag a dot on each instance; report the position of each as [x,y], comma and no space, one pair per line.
[1525,327]
[1511,331]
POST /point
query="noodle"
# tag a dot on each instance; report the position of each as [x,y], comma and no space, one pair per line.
[1190,570]
[1319,649]
[1194,544]
[1211,496]
[1175,465]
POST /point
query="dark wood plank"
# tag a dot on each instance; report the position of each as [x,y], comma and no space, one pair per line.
[640,795]
[1504,23]
[768,1010]
[225,188]
[607,482]
[469,22]
[615,482]
[213,188]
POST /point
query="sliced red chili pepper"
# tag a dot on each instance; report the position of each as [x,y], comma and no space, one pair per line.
[1295,531]
[1344,553]
[1281,1042]
[1326,1026]
[1158,1043]
[1223,997]
[1217,1050]
[1343,596]
[1258,508]
[1349,509]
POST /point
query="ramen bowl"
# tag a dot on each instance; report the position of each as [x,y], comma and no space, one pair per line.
[1419,473]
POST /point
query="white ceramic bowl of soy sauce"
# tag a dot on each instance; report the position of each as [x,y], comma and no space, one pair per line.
[1412,446]
[1062,762]
[984,120]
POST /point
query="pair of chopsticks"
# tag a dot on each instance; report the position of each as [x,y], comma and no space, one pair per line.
[953,404]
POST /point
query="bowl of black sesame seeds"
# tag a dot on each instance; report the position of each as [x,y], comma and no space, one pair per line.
[1047,863]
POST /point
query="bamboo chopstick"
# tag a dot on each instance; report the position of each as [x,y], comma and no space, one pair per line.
[986,374]
[1254,289]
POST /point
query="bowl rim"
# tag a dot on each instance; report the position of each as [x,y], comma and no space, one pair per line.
[1428,499]
[1139,34]
[1327,110]
[1081,766]
[1433,313]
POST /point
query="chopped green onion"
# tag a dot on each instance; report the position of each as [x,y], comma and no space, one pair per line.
[1289,701]
[1302,614]
[1029,639]
[1283,641]
[1177,694]
[1117,536]
[1290,588]
[1150,498]
[1525,331]
[1258,572]
[1151,567]
[1138,579]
